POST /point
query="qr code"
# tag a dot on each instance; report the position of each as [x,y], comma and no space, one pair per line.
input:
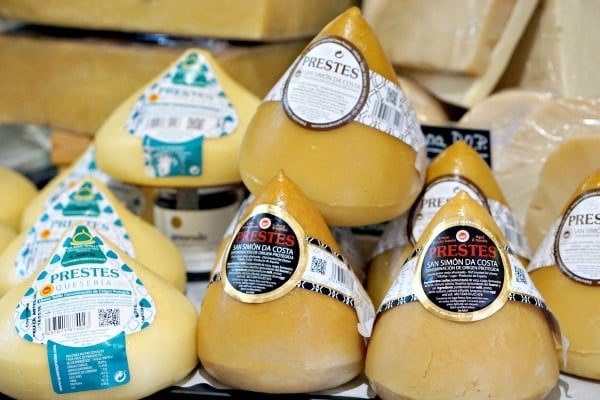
[318,265]
[109,317]
[391,96]
[520,275]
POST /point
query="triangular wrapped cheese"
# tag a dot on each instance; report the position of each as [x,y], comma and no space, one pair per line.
[7,235]
[183,129]
[278,315]
[90,201]
[565,269]
[458,167]
[17,191]
[93,323]
[462,318]
[340,126]
[133,197]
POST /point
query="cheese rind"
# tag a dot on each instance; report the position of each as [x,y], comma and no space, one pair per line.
[16,192]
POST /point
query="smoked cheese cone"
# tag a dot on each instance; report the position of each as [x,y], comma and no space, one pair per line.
[566,271]
[106,326]
[91,201]
[458,167]
[449,327]
[340,126]
[279,338]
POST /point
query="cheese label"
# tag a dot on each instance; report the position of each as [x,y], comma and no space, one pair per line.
[573,241]
[81,305]
[175,114]
[82,203]
[330,85]
[270,255]
[131,196]
[462,274]
[434,196]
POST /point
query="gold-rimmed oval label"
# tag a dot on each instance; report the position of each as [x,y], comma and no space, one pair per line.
[266,257]
[462,274]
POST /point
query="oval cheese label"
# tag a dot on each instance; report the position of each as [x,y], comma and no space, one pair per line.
[462,274]
[328,85]
[577,241]
[266,257]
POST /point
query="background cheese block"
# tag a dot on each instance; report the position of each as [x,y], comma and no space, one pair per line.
[16,191]
[75,82]
[428,109]
[7,234]
[456,36]
[354,173]
[231,19]
[565,169]
[158,356]
[151,247]
[120,154]
[300,342]
[558,51]
[466,90]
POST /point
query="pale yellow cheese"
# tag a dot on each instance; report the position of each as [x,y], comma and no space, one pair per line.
[151,247]
[231,19]
[300,342]
[415,353]
[574,304]
[121,155]
[7,234]
[354,173]
[466,90]
[428,109]
[565,169]
[558,51]
[451,36]
[16,191]
[158,356]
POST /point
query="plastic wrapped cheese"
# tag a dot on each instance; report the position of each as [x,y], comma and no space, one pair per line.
[93,323]
[89,200]
[275,318]
[183,129]
[340,126]
[462,319]
[17,191]
[565,269]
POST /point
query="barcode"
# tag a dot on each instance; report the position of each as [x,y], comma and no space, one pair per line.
[318,265]
[67,322]
[388,113]
[341,275]
[109,317]
[189,123]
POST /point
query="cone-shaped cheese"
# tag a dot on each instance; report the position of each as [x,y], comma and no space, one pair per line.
[382,270]
[58,350]
[183,129]
[7,234]
[301,341]
[16,193]
[458,167]
[565,269]
[450,342]
[140,239]
[309,126]
[563,171]
[134,198]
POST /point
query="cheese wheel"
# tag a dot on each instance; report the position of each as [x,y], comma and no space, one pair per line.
[301,341]
[573,161]
[146,243]
[355,174]
[155,357]
[564,269]
[17,191]
[183,129]
[449,343]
